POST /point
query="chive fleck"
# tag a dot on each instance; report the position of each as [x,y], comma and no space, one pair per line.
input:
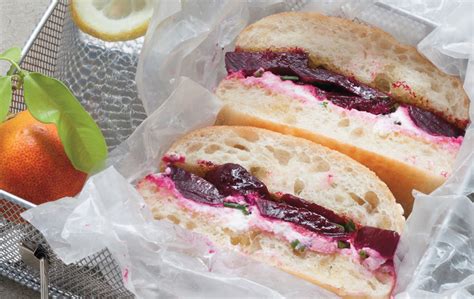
[349,226]
[237,206]
[297,246]
[294,243]
[363,254]
[291,78]
[324,104]
[343,244]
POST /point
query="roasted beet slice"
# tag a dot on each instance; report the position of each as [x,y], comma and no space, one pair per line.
[340,90]
[233,179]
[380,106]
[312,207]
[300,216]
[381,240]
[297,63]
[194,187]
[433,124]
[321,76]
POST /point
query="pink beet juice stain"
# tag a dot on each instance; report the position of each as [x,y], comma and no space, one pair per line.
[125,275]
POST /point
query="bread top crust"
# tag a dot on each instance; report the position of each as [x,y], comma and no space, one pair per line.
[368,54]
[286,163]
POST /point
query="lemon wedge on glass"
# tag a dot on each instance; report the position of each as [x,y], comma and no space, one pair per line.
[112,20]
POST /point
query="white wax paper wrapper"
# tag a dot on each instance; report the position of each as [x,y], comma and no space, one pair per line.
[181,63]
[157,258]
[192,43]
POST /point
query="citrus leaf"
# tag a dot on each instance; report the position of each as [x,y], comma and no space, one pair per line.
[11,70]
[5,96]
[50,101]
[12,54]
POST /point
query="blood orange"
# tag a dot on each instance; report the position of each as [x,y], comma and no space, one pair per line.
[33,163]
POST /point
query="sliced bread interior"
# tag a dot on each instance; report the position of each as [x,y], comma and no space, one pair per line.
[368,54]
[402,159]
[296,166]
[290,165]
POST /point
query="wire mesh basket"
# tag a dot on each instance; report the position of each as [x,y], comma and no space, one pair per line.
[56,48]
[102,76]
[95,276]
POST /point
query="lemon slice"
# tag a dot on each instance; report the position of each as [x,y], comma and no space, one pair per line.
[112,20]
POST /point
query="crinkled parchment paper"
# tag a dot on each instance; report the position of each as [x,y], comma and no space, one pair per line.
[181,63]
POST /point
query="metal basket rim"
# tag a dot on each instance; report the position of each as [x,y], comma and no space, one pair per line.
[24,52]
[31,39]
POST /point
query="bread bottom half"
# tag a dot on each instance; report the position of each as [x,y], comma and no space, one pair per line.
[335,272]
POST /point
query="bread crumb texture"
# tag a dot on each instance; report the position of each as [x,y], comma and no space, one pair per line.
[368,54]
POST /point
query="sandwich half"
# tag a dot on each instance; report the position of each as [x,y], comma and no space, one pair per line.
[285,201]
[352,88]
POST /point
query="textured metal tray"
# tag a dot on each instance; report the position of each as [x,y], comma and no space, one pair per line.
[102,76]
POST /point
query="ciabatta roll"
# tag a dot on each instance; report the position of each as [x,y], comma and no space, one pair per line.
[352,88]
[366,53]
[285,201]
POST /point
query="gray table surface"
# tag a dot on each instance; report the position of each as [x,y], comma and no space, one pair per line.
[17,20]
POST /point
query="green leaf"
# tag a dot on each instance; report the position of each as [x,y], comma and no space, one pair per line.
[11,70]
[5,96]
[50,101]
[12,54]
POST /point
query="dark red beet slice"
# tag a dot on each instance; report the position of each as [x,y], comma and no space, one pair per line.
[300,216]
[194,187]
[381,240]
[312,207]
[381,106]
[433,124]
[296,63]
[321,76]
[340,90]
[233,179]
